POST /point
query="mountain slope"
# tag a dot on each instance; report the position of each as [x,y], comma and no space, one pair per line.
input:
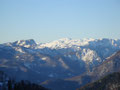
[112,64]
[109,82]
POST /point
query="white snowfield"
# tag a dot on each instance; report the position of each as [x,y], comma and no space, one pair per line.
[68,43]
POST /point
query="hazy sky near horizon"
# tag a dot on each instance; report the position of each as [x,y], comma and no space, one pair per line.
[47,20]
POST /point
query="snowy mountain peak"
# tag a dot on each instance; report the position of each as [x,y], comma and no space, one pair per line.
[25,43]
[71,43]
[29,41]
[66,43]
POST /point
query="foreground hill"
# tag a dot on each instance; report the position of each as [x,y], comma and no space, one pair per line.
[109,82]
[9,84]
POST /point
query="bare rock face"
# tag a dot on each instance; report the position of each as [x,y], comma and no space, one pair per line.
[111,65]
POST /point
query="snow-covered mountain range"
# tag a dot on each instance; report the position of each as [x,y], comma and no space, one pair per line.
[88,50]
[71,43]
[58,59]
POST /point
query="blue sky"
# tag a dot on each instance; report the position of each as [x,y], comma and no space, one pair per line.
[47,20]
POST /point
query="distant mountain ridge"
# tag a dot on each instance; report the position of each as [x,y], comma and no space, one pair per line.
[24,43]
[73,45]
[68,42]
